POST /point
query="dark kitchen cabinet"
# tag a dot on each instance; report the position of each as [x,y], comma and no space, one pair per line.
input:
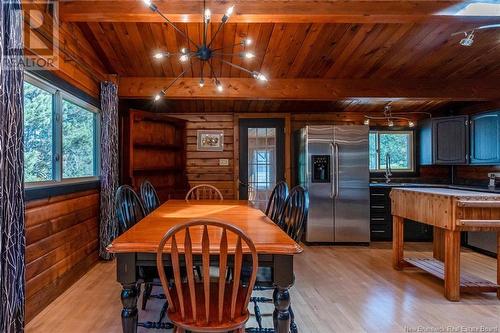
[444,141]
[485,138]
[381,220]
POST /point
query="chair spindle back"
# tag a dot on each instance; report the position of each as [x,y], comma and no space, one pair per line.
[149,196]
[294,216]
[129,208]
[204,192]
[277,201]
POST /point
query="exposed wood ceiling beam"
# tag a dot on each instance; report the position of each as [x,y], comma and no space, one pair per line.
[313,89]
[278,11]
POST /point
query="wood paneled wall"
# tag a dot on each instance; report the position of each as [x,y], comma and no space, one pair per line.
[203,166]
[61,245]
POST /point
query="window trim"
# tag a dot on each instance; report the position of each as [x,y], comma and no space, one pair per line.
[411,145]
[58,96]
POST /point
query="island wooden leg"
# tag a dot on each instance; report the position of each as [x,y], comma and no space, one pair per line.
[452,265]
[498,263]
[397,242]
[438,244]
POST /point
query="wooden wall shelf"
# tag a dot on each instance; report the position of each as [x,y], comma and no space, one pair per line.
[154,148]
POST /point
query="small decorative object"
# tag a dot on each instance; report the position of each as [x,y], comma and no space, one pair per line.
[210,140]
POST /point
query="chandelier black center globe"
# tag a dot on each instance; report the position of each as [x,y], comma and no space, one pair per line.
[204,53]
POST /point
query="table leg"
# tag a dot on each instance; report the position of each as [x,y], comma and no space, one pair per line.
[283,280]
[127,275]
[281,314]
[397,242]
[452,265]
[498,263]
[129,297]
[438,244]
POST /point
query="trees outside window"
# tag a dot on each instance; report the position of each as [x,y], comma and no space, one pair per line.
[397,144]
[60,135]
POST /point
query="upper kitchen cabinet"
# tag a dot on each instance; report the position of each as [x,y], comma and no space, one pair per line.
[485,138]
[444,141]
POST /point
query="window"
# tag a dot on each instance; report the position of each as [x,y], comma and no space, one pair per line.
[60,135]
[396,145]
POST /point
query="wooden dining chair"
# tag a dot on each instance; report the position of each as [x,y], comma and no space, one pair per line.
[129,208]
[149,196]
[207,305]
[204,192]
[292,220]
[277,201]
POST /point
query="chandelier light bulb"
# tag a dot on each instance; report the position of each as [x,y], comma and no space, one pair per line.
[161,55]
[183,50]
[229,11]
[184,58]
[219,86]
[259,76]
[147,2]
[207,14]
[159,96]
[248,55]
[247,41]
[202,83]
[366,121]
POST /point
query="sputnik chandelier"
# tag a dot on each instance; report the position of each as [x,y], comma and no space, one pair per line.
[204,53]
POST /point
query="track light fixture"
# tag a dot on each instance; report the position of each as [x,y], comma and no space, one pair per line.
[468,40]
[203,52]
[389,117]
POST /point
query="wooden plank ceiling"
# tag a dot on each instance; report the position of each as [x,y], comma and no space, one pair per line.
[400,41]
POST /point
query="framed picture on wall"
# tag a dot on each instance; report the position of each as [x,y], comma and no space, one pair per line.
[210,140]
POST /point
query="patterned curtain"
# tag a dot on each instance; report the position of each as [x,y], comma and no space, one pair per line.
[109,165]
[12,240]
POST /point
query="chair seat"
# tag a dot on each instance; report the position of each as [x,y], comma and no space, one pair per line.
[213,325]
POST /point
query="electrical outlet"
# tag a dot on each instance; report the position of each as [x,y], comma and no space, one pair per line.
[223,162]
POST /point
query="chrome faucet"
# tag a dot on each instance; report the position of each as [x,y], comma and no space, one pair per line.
[493,178]
[388,171]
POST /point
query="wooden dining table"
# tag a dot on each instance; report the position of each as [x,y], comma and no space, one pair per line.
[137,248]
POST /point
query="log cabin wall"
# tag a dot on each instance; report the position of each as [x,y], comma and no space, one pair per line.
[203,166]
[61,245]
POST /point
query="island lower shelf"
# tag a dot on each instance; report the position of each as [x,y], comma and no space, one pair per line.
[468,282]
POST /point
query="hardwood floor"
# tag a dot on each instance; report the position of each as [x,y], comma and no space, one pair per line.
[338,289]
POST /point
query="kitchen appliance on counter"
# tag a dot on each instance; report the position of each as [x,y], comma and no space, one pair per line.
[333,166]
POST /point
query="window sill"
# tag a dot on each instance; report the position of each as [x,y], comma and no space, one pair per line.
[35,191]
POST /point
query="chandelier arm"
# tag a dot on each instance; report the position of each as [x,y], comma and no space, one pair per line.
[236,66]
[227,47]
[175,27]
[213,37]
[212,71]
[172,83]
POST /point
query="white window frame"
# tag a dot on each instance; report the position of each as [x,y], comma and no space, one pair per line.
[58,96]
[411,150]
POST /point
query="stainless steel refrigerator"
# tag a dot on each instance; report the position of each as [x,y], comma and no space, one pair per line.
[333,166]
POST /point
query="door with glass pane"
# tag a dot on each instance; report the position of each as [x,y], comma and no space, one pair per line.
[262,160]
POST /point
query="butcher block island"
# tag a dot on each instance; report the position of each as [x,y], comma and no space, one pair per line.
[450,212]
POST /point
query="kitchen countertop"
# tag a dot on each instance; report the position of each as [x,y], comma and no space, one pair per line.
[455,187]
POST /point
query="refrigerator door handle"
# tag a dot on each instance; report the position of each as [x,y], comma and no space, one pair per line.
[332,171]
[336,169]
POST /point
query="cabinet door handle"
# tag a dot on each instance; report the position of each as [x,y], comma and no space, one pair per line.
[378,231]
[378,218]
[379,207]
[378,194]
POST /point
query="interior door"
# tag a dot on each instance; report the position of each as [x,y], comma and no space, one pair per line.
[262,162]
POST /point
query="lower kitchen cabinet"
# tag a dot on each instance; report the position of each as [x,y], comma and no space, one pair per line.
[381,220]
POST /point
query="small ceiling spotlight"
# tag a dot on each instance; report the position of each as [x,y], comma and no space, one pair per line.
[366,121]
[208,15]
[468,40]
[411,124]
[202,83]
[259,76]
[390,123]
